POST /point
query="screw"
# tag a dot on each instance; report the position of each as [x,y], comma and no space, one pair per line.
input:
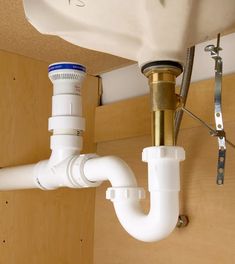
[182,221]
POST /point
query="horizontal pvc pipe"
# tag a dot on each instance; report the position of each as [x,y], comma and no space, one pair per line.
[110,168]
[19,177]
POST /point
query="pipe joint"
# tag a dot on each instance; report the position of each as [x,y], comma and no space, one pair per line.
[76,171]
[151,154]
[67,173]
[163,167]
[52,177]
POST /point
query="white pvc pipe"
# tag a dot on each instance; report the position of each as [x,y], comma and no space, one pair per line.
[157,224]
[110,168]
[164,186]
[19,177]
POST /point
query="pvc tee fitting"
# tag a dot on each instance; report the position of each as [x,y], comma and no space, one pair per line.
[67,173]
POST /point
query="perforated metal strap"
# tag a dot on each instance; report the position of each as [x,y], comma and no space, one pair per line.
[220,133]
[219,120]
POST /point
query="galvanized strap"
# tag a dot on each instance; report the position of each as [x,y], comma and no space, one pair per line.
[219,121]
[220,133]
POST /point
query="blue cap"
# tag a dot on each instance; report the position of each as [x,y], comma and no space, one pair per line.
[66,66]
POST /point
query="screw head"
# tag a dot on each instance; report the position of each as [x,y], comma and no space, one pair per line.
[182,221]
[210,48]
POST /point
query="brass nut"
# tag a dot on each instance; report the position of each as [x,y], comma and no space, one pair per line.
[162,69]
[162,89]
[163,96]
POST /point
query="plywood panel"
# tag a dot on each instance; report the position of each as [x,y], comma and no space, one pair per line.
[17,35]
[112,120]
[37,226]
[210,236]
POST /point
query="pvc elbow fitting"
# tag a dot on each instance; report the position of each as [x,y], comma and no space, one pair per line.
[110,168]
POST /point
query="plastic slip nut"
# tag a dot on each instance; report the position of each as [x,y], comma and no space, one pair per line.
[163,152]
[66,122]
[125,193]
[77,175]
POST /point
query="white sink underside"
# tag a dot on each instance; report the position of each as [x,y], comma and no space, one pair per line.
[140,30]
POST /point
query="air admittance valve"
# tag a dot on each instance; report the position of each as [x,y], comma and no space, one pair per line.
[66,70]
[67,78]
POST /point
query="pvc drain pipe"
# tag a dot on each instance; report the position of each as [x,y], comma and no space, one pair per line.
[67,168]
[164,186]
